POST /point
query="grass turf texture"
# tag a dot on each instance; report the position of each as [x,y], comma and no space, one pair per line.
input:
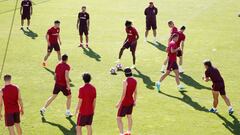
[210,25]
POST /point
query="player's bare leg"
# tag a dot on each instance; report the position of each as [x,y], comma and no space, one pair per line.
[59,55]
[228,103]
[158,83]
[155,35]
[79,130]
[180,64]
[129,117]
[22,23]
[134,59]
[146,35]
[19,129]
[11,130]
[87,41]
[45,58]
[68,103]
[48,102]
[164,65]
[215,98]
[179,86]
[89,130]
[28,23]
[120,54]
[81,41]
[120,125]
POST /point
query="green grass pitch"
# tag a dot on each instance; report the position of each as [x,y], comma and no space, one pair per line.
[211,25]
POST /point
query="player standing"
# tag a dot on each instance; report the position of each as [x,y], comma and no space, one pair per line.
[130,42]
[83,25]
[173,30]
[26,12]
[172,63]
[62,83]
[53,41]
[86,105]
[180,43]
[212,74]
[127,101]
[151,21]
[11,98]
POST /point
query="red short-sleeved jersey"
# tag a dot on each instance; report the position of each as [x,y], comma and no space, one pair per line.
[10,98]
[172,56]
[60,71]
[173,30]
[131,34]
[131,87]
[53,34]
[181,38]
[87,93]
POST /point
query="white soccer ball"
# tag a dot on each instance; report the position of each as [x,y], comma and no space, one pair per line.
[113,70]
[119,66]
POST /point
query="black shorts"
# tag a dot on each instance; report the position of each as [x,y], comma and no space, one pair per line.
[84,120]
[56,47]
[130,45]
[179,53]
[83,30]
[12,118]
[125,110]
[220,87]
[151,25]
[63,89]
[172,66]
[26,16]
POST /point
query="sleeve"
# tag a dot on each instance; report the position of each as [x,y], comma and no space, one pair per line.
[207,74]
[145,12]
[49,32]
[22,3]
[184,37]
[68,68]
[30,3]
[135,31]
[156,11]
[88,17]
[78,15]
[95,93]
[80,95]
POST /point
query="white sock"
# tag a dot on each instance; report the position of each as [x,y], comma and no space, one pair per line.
[44,109]
[67,110]
[214,108]
[230,107]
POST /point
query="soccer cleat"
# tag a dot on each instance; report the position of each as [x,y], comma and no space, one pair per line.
[44,64]
[42,112]
[180,87]
[68,114]
[212,110]
[133,66]
[230,111]
[158,85]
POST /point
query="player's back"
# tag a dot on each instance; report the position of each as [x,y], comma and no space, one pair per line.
[181,38]
[60,71]
[131,87]
[10,98]
[214,74]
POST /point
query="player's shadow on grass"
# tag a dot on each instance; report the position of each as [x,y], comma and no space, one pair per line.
[158,45]
[30,33]
[233,127]
[52,72]
[188,100]
[146,79]
[92,54]
[63,129]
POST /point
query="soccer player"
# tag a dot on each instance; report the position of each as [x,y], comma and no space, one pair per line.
[151,21]
[26,12]
[11,98]
[180,43]
[173,30]
[218,87]
[83,25]
[53,41]
[86,105]
[130,42]
[127,102]
[62,83]
[172,63]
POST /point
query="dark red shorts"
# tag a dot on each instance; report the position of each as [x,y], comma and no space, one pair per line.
[84,120]
[172,66]
[130,45]
[179,53]
[12,118]
[125,110]
[26,16]
[220,87]
[56,47]
[63,89]
[83,30]
[151,25]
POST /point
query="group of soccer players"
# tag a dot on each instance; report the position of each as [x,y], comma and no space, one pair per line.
[11,98]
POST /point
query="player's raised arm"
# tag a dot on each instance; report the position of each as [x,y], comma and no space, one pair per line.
[123,94]
[20,102]
[1,104]
[67,79]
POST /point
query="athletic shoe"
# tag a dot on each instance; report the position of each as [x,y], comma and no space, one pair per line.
[68,114]
[180,87]
[44,64]
[42,112]
[213,110]
[230,111]
[181,70]
[21,28]
[80,45]
[27,28]
[133,66]
[158,85]
[87,46]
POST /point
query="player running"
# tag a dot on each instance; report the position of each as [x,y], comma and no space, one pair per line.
[172,63]
[212,74]
[62,83]
[11,98]
[130,42]
[86,105]
[173,30]
[83,25]
[26,12]
[53,41]
[151,21]
[127,101]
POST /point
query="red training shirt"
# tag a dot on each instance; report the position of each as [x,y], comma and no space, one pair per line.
[87,93]
[173,30]
[181,38]
[60,71]
[131,34]
[172,56]
[53,35]
[131,87]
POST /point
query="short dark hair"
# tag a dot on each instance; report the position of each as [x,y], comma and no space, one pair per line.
[65,57]
[183,28]
[86,77]
[207,63]
[7,77]
[128,23]
[170,22]
[84,7]
[128,72]
[57,22]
